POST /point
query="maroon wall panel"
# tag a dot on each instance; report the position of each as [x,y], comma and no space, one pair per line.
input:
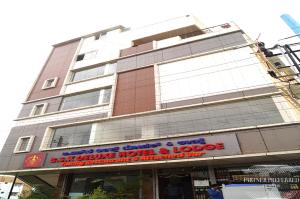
[136,49]
[135,92]
[57,65]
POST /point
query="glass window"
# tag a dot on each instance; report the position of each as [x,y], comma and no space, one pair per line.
[90,55]
[24,143]
[80,100]
[50,83]
[38,109]
[227,71]
[109,68]
[71,136]
[106,95]
[87,55]
[86,99]
[80,57]
[117,184]
[88,73]
[215,117]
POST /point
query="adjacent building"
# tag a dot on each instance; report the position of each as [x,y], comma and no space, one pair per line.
[137,111]
[20,188]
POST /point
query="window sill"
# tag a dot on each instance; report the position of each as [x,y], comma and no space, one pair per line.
[46,88]
[17,152]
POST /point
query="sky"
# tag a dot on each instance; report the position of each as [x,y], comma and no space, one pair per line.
[30,28]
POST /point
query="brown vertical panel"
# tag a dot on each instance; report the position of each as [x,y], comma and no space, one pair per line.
[136,49]
[57,65]
[144,47]
[128,51]
[145,90]
[135,92]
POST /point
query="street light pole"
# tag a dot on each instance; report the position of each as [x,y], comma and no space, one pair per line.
[12,186]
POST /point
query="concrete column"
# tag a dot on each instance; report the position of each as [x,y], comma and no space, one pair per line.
[211,175]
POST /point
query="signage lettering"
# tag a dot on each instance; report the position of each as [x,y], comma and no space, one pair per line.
[193,148]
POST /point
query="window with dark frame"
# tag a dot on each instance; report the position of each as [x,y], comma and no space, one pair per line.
[80,57]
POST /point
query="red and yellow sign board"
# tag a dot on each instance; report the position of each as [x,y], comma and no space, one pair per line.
[167,149]
[157,153]
[34,160]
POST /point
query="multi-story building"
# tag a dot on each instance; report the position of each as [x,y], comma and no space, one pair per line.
[20,188]
[173,104]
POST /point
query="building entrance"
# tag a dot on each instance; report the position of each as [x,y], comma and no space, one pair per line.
[175,185]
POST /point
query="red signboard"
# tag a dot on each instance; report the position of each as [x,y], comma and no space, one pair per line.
[161,153]
[34,160]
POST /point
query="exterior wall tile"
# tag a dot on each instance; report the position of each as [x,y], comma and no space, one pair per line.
[136,49]
[57,65]
[128,51]
[251,142]
[206,45]
[149,58]
[16,162]
[282,138]
[232,39]
[226,96]
[135,92]
[129,63]
[262,90]
[11,161]
[182,103]
[145,47]
[4,162]
[223,96]
[175,52]
[53,105]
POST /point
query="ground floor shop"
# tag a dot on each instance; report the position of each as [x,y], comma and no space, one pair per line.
[275,180]
[251,163]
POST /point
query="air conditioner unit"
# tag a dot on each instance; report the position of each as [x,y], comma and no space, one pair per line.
[277,62]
